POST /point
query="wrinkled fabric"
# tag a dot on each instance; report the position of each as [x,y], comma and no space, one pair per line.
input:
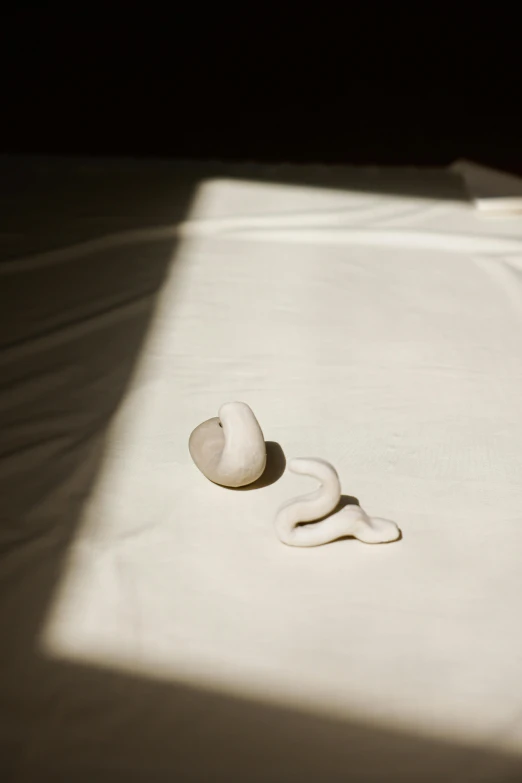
[154,626]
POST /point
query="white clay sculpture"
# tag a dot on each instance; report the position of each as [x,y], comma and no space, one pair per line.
[318,509]
[230,448]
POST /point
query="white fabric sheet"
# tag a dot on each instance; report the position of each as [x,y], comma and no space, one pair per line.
[156,628]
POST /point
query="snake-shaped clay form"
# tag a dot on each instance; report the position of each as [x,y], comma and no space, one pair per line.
[230,448]
[318,509]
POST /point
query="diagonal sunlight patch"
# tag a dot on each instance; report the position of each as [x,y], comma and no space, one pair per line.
[375,358]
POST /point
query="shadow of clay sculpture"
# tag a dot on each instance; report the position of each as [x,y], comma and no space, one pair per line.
[230,448]
[319,508]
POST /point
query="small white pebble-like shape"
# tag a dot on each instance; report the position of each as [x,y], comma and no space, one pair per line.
[325,524]
[230,448]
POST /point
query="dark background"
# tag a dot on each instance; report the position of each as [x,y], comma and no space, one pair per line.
[374,85]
